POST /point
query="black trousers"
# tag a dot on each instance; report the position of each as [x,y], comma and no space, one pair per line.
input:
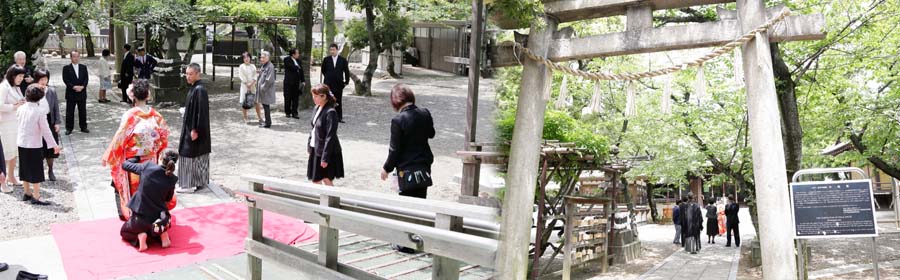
[291,99]
[70,114]
[124,87]
[134,226]
[417,193]
[338,96]
[737,235]
[268,114]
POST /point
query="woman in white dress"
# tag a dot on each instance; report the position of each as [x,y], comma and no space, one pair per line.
[10,99]
[247,73]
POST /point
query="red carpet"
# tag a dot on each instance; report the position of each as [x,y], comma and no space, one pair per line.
[95,250]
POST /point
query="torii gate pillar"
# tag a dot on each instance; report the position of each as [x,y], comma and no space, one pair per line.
[769,171]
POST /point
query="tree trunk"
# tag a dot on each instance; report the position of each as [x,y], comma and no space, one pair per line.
[791,131]
[61,34]
[881,164]
[391,64]
[88,40]
[330,26]
[24,35]
[653,213]
[374,51]
[304,44]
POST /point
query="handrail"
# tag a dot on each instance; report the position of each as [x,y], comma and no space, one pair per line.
[434,206]
[812,171]
[455,245]
[470,222]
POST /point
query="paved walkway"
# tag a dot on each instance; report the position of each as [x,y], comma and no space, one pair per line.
[713,262]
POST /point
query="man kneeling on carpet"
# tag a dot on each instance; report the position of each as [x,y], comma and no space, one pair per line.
[150,215]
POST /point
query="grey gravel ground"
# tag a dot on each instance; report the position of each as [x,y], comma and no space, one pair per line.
[25,220]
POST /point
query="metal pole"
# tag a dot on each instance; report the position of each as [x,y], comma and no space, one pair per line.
[875,257]
[769,172]
[896,203]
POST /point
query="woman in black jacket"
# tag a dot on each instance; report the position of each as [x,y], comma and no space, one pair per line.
[150,214]
[325,160]
[409,152]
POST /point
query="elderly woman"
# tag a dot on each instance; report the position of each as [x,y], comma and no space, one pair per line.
[266,87]
[326,162]
[409,152]
[11,99]
[142,134]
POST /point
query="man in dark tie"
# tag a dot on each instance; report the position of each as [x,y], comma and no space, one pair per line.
[126,73]
[144,64]
[731,222]
[75,76]
[293,82]
[337,75]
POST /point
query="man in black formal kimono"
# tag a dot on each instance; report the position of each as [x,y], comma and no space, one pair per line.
[691,224]
[144,64]
[337,75]
[75,76]
[126,73]
[293,82]
[195,144]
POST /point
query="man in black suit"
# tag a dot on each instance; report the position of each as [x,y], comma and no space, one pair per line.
[337,75]
[293,82]
[144,64]
[126,73]
[75,76]
[731,222]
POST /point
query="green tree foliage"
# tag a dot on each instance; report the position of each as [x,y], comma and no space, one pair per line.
[384,27]
[25,24]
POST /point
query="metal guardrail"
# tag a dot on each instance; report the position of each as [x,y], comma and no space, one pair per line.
[445,240]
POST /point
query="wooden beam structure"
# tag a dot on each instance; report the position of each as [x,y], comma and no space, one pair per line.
[575,10]
[648,40]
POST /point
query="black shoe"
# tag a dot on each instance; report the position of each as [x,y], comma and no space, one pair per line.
[37,201]
[50,176]
[68,132]
[295,116]
[25,275]
[693,253]
[728,245]
[341,121]
[86,130]
[3,267]
[402,249]
[27,197]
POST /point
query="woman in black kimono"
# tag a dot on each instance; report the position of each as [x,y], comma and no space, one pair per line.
[712,222]
[325,160]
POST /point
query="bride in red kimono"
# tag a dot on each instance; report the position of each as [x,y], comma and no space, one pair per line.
[143,133]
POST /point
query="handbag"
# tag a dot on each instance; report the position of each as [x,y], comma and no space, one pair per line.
[249,100]
[414,179]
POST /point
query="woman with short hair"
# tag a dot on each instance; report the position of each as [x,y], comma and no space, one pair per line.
[51,104]
[266,88]
[144,134]
[11,98]
[326,161]
[409,154]
[32,125]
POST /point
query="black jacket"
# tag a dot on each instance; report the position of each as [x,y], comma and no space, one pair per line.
[146,68]
[731,213]
[155,190]
[293,73]
[71,81]
[126,70]
[325,127]
[410,131]
[196,117]
[336,76]
[691,219]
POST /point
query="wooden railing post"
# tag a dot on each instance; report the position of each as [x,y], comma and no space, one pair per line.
[255,218]
[328,237]
[446,268]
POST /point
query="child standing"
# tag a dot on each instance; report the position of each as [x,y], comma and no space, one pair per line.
[33,128]
[105,74]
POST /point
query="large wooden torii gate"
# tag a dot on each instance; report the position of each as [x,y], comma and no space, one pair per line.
[641,37]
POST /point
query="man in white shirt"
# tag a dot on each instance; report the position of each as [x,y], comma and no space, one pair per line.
[75,76]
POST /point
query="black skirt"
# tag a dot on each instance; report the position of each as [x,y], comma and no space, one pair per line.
[31,165]
[712,227]
[48,153]
[315,172]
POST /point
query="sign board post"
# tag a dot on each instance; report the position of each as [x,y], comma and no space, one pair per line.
[833,209]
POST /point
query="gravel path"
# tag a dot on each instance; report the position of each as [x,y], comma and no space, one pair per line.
[22,220]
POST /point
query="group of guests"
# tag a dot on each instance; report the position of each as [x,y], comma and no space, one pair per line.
[688,219]
[29,126]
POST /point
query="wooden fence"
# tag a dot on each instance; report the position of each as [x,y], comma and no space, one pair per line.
[452,232]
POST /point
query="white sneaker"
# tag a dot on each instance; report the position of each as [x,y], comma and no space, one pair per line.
[186,190]
[5,188]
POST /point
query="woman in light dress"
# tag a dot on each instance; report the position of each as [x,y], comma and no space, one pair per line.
[11,99]
[247,73]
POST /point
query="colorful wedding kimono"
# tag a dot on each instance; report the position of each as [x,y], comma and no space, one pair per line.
[141,134]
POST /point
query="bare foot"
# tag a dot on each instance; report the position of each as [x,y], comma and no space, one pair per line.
[166,242]
[142,242]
